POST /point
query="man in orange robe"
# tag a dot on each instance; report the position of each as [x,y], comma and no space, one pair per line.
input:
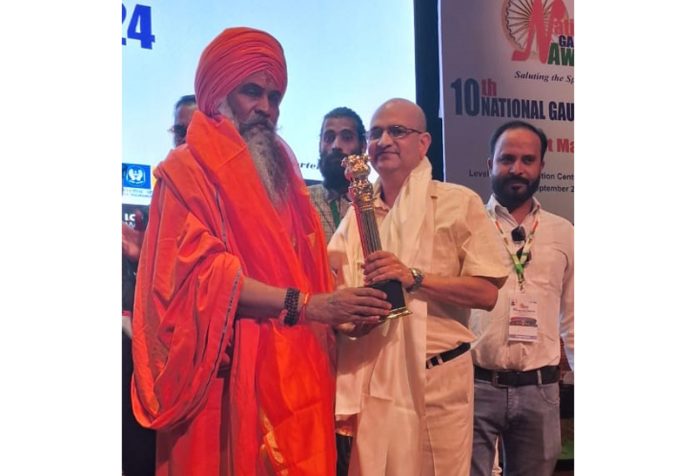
[231,328]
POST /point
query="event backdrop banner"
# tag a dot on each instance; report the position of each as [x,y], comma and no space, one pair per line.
[504,60]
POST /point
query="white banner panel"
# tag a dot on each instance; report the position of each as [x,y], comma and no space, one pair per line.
[504,60]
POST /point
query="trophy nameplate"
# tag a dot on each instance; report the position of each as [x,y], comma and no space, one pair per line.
[361,193]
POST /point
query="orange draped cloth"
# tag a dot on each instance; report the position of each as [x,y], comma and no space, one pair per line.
[229,395]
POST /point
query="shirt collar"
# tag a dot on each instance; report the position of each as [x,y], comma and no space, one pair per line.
[331,195]
[495,206]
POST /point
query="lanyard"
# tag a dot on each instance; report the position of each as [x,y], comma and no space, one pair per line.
[334,211]
[521,261]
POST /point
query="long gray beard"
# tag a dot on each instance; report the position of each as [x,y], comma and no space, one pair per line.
[268,161]
[259,134]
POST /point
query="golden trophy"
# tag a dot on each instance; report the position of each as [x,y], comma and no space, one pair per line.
[361,194]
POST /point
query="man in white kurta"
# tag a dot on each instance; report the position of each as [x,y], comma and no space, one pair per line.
[409,417]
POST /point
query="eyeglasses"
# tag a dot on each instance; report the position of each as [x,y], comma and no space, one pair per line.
[178,130]
[395,132]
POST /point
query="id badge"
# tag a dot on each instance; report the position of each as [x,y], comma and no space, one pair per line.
[523,318]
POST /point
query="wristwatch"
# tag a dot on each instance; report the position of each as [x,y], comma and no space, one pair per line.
[417,280]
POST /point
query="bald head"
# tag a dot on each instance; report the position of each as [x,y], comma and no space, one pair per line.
[409,110]
[398,140]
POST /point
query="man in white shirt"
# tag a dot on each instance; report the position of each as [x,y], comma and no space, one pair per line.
[517,351]
[405,387]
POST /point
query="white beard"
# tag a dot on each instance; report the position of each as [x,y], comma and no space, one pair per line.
[268,161]
[265,153]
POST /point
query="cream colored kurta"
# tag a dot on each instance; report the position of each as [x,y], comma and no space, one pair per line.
[382,383]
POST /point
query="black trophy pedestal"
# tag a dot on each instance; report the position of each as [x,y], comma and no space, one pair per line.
[395,295]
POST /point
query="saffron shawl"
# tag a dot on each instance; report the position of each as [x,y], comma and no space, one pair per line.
[211,225]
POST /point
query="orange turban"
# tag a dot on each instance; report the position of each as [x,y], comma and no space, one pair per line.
[234,55]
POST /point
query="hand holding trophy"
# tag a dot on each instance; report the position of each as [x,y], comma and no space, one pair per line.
[361,193]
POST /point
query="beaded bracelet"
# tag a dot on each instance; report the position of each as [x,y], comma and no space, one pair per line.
[292,296]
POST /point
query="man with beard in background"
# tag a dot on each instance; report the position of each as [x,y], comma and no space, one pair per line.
[342,134]
[518,349]
[232,316]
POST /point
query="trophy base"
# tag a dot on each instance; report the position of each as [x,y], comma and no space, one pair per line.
[397,313]
[395,295]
